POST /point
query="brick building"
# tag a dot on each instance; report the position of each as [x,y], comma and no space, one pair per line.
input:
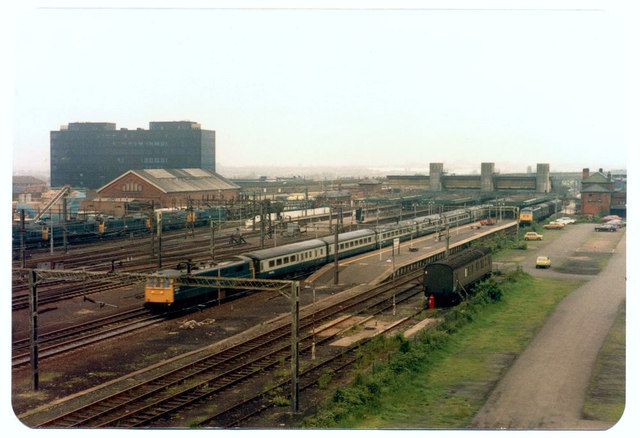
[598,196]
[169,187]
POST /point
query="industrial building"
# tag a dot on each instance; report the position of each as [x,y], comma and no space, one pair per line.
[488,181]
[89,155]
[166,188]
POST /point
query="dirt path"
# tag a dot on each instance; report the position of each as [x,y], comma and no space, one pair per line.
[545,388]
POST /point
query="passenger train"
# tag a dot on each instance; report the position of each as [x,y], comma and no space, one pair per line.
[162,290]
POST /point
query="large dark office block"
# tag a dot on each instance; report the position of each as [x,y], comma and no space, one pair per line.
[89,155]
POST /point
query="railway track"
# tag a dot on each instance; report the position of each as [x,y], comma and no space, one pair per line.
[80,335]
[139,262]
[237,413]
[215,374]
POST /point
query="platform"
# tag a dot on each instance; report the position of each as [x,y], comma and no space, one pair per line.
[376,266]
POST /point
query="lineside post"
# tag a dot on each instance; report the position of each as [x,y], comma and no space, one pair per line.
[159,229]
[23,258]
[295,364]
[33,322]
[213,245]
[336,262]
[64,224]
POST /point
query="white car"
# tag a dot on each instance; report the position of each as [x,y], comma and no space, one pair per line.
[566,220]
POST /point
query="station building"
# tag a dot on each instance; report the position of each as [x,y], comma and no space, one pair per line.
[89,155]
[165,188]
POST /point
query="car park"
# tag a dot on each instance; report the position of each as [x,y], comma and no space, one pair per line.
[543,262]
[554,226]
[606,227]
[532,236]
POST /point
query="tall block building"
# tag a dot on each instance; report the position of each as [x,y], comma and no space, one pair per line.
[89,155]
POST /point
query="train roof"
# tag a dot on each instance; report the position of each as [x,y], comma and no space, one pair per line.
[350,235]
[291,248]
[463,258]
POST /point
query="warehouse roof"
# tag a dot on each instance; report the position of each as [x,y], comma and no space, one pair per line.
[181,180]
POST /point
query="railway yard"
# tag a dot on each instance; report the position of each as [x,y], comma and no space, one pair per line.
[104,360]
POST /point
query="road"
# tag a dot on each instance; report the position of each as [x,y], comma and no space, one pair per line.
[545,388]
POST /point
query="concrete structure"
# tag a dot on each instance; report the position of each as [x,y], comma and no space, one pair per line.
[543,184]
[169,187]
[487,182]
[486,177]
[89,155]
[435,176]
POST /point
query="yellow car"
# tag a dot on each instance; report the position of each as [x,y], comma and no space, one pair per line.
[554,226]
[532,236]
[543,262]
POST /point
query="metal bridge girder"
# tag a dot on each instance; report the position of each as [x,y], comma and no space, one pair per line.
[113,277]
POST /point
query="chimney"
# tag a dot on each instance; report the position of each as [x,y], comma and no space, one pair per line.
[609,176]
[585,173]
[600,170]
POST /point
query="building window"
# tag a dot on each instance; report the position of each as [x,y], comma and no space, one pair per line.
[590,197]
[132,186]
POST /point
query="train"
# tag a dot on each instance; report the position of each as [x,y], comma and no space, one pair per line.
[93,227]
[528,215]
[163,290]
[449,279]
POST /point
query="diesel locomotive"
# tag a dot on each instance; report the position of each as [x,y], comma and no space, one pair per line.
[539,211]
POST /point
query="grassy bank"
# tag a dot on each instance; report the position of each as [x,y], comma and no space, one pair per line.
[605,399]
[440,379]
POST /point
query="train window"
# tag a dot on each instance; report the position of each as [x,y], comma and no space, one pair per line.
[286,260]
[272,263]
[278,262]
[165,282]
[294,258]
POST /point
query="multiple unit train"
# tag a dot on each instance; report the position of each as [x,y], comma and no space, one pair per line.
[95,227]
[539,211]
[163,290]
[449,278]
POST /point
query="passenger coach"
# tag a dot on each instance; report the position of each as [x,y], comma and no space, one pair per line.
[288,259]
[448,279]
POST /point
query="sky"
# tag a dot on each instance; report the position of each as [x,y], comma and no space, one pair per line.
[385,88]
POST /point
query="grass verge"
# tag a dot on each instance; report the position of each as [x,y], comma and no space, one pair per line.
[440,379]
[605,399]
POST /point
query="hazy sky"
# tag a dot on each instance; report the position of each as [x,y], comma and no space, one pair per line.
[321,87]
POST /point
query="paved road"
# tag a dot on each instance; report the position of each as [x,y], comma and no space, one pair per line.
[546,386]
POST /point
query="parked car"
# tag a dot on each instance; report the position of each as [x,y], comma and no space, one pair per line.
[532,236]
[606,227]
[611,217]
[554,225]
[543,262]
[566,220]
[617,223]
